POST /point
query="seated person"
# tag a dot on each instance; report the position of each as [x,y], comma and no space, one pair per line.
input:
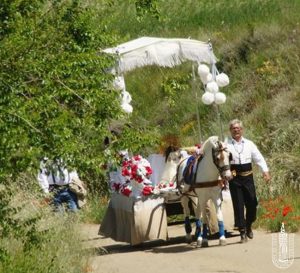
[54,179]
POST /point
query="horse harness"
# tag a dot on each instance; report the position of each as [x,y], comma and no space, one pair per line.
[205,184]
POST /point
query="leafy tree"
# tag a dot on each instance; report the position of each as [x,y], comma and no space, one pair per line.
[56,96]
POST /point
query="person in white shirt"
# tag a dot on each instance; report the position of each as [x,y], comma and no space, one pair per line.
[54,179]
[242,188]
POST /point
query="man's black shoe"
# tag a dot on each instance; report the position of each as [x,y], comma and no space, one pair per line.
[244,238]
[249,233]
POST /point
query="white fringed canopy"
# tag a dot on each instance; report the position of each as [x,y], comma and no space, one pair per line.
[161,52]
[170,52]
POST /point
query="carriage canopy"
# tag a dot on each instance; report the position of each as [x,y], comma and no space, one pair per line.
[165,52]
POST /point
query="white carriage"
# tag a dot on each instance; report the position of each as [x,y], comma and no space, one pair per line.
[136,220]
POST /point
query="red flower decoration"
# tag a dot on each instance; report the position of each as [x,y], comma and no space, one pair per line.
[116,186]
[149,170]
[126,191]
[147,190]
[137,171]
[126,171]
[137,157]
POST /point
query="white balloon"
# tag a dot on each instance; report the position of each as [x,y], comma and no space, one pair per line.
[212,87]
[126,97]
[222,79]
[208,98]
[119,83]
[220,98]
[206,78]
[203,70]
[127,107]
[209,77]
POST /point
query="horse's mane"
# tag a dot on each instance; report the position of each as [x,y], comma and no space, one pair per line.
[169,150]
[211,141]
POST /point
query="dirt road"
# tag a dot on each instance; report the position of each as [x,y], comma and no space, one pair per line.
[176,256]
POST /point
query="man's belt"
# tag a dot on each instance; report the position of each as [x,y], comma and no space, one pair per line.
[58,187]
[235,173]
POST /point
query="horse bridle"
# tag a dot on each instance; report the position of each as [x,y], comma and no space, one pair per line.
[215,152]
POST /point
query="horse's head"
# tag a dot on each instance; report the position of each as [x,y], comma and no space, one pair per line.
[221,157]
[174,157]
[172,153]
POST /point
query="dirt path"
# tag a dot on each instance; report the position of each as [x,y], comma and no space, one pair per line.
[177,257]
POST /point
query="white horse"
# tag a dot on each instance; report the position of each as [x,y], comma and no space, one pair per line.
[173,158]
[210,173]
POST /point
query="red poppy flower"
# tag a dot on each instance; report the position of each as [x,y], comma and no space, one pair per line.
[286,210]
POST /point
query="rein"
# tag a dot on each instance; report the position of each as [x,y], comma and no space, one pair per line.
[207,184]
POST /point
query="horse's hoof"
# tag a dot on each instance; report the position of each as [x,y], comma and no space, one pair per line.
[199,242]
[188,238]
[222,242]
[204,243]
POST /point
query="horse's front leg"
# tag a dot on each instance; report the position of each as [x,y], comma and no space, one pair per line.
[218,202]
[201,235]
[187,223]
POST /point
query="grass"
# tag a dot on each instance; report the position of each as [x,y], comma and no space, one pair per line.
[95,209]
[54,247]
[33,238]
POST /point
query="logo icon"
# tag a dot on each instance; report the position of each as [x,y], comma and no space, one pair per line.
[283,249]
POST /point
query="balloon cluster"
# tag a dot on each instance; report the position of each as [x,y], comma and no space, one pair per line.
[119,84]
[212,82]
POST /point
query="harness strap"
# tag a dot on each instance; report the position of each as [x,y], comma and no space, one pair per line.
[207,184]
[198,159]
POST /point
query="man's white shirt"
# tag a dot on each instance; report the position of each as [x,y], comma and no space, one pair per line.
[244,152]
[45,180]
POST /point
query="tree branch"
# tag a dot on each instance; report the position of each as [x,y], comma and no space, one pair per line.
[26,121]
[71,90]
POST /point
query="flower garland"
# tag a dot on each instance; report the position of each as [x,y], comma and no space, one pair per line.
[136,171]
